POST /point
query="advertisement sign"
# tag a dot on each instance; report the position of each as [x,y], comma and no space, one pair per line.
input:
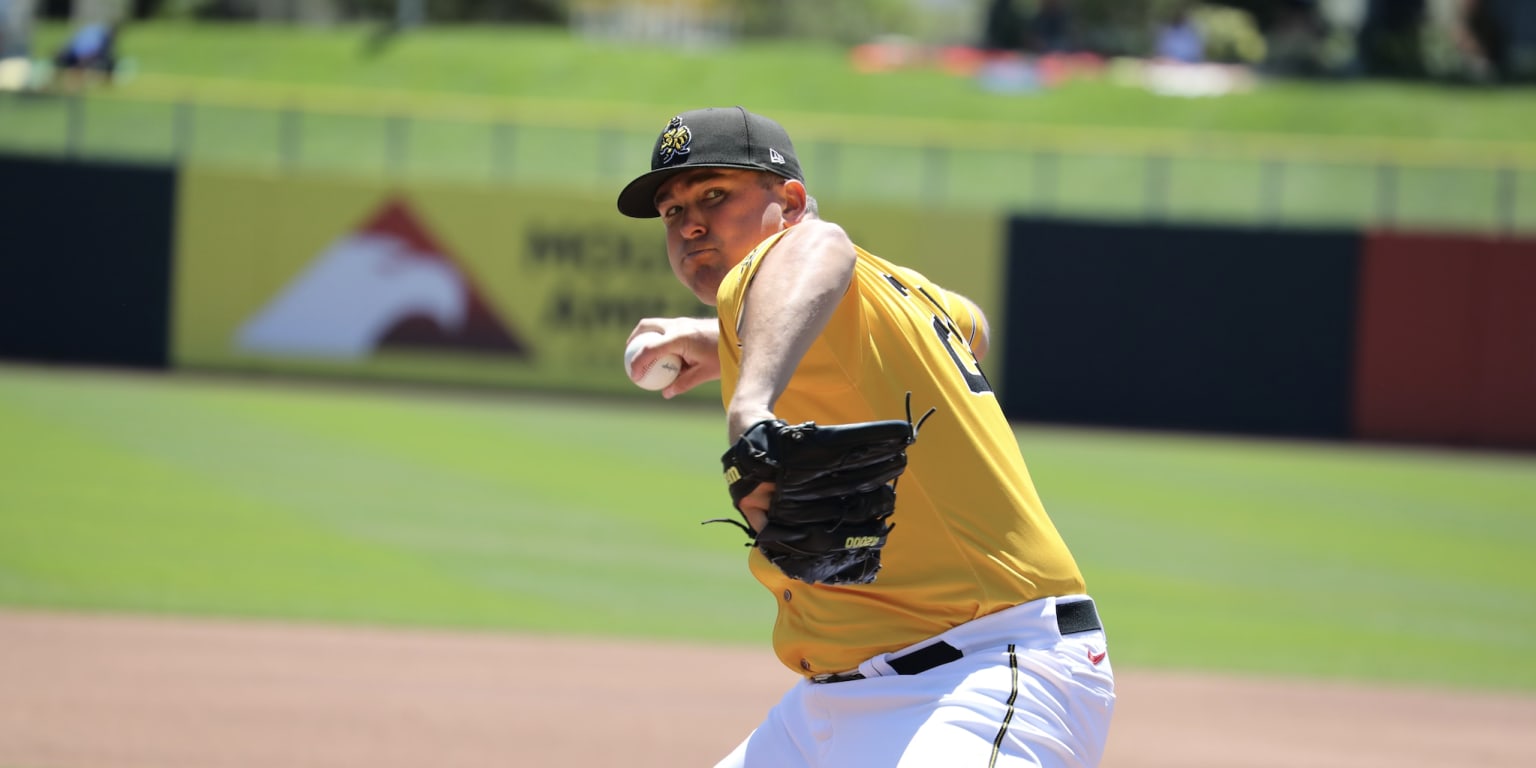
[453,283]
[461,283]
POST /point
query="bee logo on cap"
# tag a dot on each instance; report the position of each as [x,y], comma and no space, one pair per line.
[675,141]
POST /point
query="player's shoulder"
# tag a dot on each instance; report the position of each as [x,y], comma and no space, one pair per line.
[907,277]
[755,256]
[817,234]
[732,290]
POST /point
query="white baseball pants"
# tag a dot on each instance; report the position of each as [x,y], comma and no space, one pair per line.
[1021,695]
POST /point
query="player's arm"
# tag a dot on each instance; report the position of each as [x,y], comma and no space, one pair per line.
[694,339]
[792,296]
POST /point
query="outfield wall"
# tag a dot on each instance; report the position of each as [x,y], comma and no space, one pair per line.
[1383,336]
[1181,327]
[1447,340]
[1335,334]
[85,261]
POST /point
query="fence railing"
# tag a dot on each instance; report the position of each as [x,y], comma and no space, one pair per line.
[1143,176]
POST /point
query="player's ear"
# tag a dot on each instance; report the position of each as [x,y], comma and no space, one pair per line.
[794,200]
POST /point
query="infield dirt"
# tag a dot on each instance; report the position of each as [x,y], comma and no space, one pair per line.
[79,691]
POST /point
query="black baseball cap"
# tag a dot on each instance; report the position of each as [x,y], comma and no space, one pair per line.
[729,137]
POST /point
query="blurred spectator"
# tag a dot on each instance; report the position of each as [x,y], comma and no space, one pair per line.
[1493,40]
[1390,41]
[1179,38]
[1004,30]
[1482,39]
[1042,27]
[1296,40]
[1050,28]
[91,52]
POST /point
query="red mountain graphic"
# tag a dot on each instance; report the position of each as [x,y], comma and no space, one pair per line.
[483,329]
[389,284]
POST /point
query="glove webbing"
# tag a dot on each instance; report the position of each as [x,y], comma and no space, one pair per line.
[744,485]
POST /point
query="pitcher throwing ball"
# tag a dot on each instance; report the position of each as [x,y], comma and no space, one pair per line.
[929,604]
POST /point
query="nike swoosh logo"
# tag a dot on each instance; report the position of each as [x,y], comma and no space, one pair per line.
[1097,657]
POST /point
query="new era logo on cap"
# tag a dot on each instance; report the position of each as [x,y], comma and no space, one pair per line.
[711,138]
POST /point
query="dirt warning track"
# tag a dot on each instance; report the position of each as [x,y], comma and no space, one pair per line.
[86,691]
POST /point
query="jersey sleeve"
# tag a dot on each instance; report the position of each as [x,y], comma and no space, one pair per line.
[962,312]
[730,299]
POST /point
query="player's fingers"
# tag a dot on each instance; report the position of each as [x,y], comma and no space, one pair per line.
[648,342]
[701,364]
[754,506]
[690,377]
[654,351]
[659,325]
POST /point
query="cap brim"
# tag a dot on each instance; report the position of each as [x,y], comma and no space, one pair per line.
[638,199]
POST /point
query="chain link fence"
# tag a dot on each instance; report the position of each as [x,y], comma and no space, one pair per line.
[1284,185]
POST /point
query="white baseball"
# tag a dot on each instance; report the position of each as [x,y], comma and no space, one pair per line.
[661,372]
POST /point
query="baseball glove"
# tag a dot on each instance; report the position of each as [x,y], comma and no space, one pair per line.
[834,489]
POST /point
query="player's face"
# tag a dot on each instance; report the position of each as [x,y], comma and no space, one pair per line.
[714,218]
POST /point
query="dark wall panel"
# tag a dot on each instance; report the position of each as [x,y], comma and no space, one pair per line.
[1217,329]
[85,261]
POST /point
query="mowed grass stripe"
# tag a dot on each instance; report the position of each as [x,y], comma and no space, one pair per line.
[508,511]
[104,527]
[394,510]
[1343,560]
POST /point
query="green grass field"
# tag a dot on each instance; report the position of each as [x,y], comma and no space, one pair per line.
[539,106]
[505,511]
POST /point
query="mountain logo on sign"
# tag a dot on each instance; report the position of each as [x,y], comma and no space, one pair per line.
[387,285]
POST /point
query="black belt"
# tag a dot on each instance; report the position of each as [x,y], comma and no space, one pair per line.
[1071,618]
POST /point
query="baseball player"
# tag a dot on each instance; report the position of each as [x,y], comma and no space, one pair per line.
[934,613]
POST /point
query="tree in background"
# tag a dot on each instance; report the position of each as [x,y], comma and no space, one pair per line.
[850,22]
[1470,40]
[526,11]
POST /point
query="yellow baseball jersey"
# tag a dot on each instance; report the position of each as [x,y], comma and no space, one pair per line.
[971,536]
